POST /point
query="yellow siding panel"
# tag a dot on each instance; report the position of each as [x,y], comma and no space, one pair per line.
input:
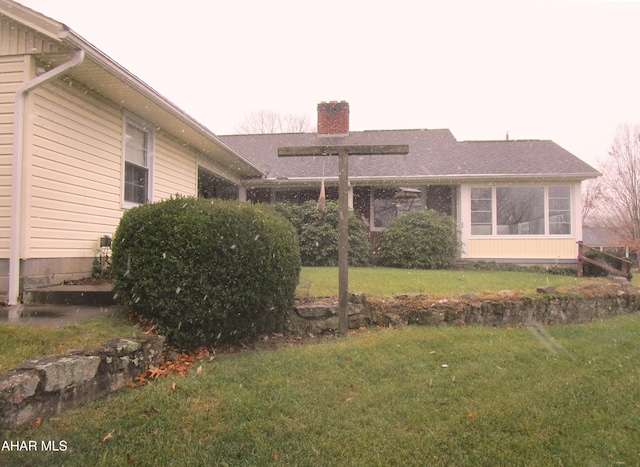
[521,248]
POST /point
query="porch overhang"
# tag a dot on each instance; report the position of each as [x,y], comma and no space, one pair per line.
[454,179]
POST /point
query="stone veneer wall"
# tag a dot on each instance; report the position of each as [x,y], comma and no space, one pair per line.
[45,385]
[507,310]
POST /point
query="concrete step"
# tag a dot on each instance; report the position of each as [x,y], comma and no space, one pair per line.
[81,295]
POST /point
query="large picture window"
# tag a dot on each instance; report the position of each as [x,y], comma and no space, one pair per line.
[520,210]
[524,210]
[137,154]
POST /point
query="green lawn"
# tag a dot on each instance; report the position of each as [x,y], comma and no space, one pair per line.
[20,342]
[318,281]
[558,395]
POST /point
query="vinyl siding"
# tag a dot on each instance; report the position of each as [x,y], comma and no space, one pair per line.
[175,169]
[74,172]
[12,73]
[521,248]
[15,39]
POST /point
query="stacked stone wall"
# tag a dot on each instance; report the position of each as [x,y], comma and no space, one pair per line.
[46,385]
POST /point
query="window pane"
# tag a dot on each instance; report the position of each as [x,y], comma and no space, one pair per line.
[481,211]
[136,145]
[559,210]
[388,204]
[520,210]
[135,183]
[479,229]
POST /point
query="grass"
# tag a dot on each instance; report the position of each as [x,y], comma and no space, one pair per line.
[319,281]
[558,395]
[20,342]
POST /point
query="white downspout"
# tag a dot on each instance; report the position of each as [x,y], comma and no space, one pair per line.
[16,175]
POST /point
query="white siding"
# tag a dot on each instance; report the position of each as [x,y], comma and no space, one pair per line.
[74,172]
[12,73]
[175,169]
[15,39]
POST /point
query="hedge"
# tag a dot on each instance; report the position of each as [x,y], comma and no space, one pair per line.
[206,271]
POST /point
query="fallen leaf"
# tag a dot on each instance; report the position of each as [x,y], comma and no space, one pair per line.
[199,370]
[173,387]
[432,352]
[154,372]
[35,423]
[469,415]
[108,437]
[150,411]
[276,457]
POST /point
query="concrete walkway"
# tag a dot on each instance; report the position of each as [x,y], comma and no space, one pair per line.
[61,305]
[53,315]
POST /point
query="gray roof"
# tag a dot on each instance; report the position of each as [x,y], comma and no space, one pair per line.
[433,155]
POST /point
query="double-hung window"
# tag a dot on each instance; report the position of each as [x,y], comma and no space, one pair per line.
[138,152]
[523,210]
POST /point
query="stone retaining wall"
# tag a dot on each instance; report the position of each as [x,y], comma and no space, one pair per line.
[506,309]
[45,385]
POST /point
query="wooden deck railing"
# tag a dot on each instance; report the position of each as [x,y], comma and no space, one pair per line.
[623,271]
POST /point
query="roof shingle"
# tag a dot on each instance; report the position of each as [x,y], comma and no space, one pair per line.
[432,154]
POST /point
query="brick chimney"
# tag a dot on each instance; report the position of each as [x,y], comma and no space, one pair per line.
[333,118]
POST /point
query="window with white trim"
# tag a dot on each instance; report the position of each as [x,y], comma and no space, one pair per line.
[559,210]
[523,210]
[481,211]
[138,150]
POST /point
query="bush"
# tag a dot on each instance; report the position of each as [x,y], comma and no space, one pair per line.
[318,234]
[419,240]
[592,270]
[206,270]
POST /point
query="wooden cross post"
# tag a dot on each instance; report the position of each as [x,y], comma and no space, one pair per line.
[343,153]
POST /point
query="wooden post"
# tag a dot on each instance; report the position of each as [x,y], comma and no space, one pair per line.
[343,243]
[343,153]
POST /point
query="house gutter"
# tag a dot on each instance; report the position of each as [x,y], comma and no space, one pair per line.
[420,179]
[16,175]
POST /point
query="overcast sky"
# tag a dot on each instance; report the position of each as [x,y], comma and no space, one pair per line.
[562,70]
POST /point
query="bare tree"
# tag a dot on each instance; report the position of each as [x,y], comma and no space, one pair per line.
[591,199]
[267,121]
[619,208]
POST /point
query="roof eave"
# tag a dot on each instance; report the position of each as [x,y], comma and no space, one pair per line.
[102,60]
[293,182]
[198,136]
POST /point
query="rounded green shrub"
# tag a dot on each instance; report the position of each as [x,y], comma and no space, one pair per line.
[419,240]
[318,234]
[206,271]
